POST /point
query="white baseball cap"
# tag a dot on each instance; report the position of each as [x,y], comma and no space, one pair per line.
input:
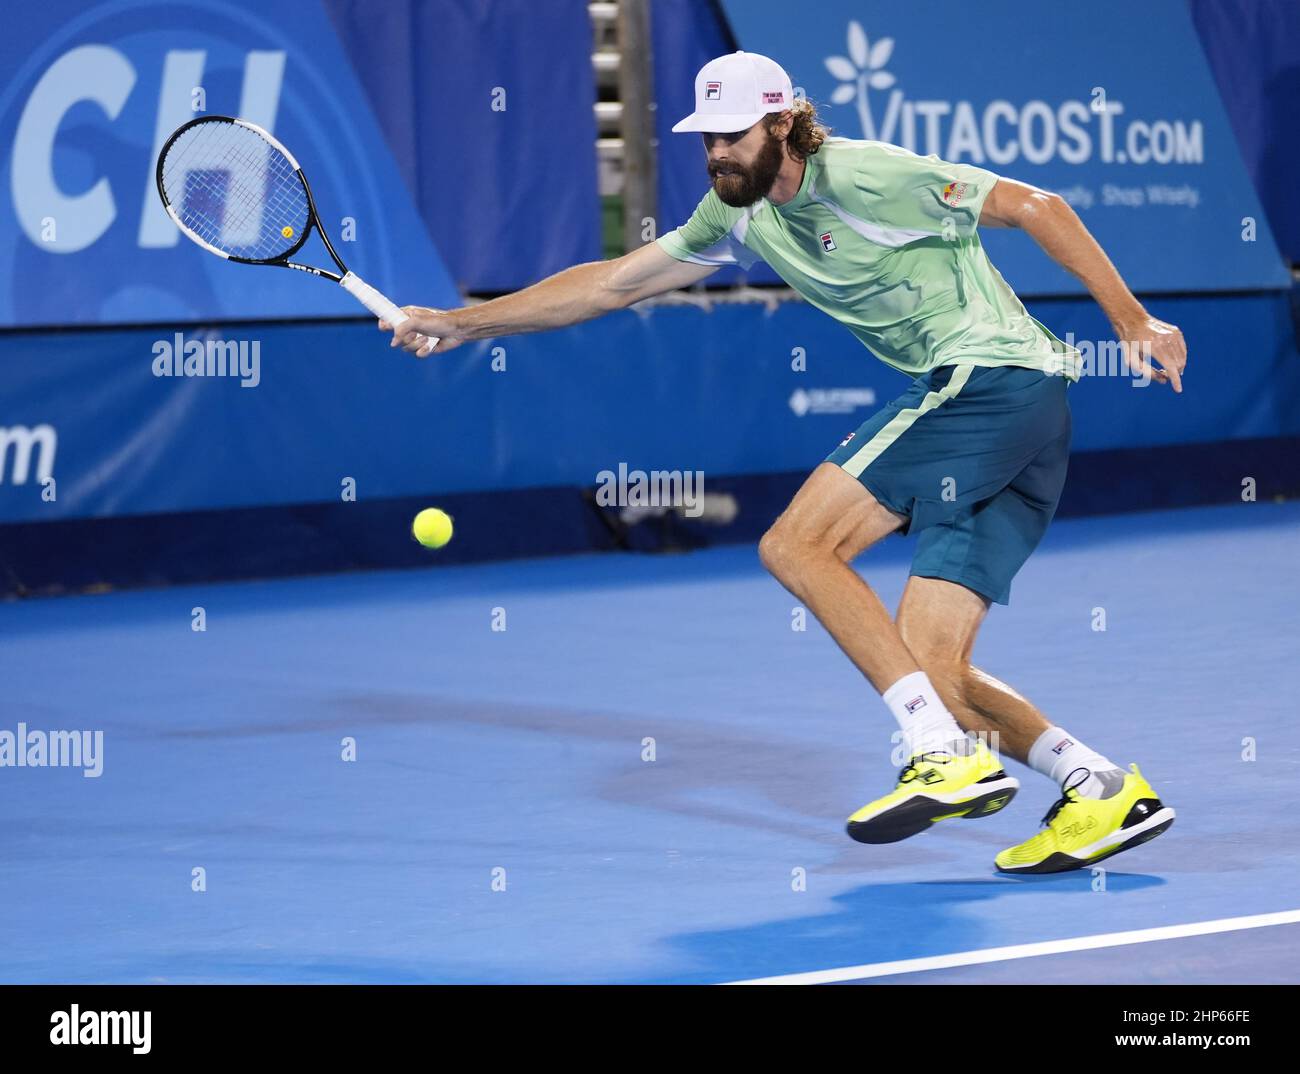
[734,92]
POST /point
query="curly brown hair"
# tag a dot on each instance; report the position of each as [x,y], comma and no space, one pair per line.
[806,133]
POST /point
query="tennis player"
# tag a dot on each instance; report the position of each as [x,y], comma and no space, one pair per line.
[971,458]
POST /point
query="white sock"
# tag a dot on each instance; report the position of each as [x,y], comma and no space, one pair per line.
[1056,754]
[926,722]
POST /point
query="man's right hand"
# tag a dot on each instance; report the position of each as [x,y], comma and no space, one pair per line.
[425,324]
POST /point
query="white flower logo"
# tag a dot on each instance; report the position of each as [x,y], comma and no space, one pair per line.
[861,71]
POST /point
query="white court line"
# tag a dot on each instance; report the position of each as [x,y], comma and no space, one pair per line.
[1030,950]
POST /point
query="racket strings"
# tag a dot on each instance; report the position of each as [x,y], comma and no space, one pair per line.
[238,190]
[235,191]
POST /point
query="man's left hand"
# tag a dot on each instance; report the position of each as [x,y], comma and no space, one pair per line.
[1154,350]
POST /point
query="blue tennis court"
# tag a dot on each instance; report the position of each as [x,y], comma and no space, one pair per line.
[423,530]
[500,822]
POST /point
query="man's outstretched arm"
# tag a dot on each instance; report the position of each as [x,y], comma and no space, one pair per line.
[576,294]
[1058,230]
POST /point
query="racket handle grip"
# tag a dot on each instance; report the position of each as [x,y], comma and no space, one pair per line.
[377,303]
[374,301]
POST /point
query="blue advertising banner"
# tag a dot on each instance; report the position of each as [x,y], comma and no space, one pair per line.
[487,108]
[1253,47]
[1126,125]
[397,159]
[129,421]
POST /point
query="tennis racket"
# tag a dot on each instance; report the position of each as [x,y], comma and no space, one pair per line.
[236,191]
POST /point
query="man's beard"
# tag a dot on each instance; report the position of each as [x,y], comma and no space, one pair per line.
[744,186]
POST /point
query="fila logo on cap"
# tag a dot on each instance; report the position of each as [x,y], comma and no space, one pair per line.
[756,86]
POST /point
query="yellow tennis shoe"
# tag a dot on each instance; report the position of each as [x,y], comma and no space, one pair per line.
[1081,831]
[935,786]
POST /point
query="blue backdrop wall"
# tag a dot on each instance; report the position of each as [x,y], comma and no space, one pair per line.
[1131,130]
[445,149]
[1253,47]
[679,388]
[118,423]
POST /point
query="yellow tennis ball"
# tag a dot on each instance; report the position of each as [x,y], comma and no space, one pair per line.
[432,527]
[287,231]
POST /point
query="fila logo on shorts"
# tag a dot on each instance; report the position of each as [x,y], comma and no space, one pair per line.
[712,91]
[1061,746]
[828,241]
[914,704]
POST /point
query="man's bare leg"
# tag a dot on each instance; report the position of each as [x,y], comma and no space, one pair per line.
[938,621]
[831,519]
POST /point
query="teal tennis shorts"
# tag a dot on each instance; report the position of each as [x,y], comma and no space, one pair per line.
[975,457]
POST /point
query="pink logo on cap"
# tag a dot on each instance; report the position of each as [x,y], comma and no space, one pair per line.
[712,91]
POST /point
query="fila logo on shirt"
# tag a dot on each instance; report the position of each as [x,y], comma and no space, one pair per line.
[712,91]
[828,241]
[914,704]
[1061,746]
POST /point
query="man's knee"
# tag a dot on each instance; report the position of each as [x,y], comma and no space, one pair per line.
[832,516]
[784,548]
[776,550]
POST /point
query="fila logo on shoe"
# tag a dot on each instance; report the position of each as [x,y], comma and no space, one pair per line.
[1071,831]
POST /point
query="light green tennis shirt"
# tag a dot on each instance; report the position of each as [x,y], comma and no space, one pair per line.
[887,243]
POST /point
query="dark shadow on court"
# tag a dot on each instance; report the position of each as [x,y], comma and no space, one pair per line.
[885,923]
